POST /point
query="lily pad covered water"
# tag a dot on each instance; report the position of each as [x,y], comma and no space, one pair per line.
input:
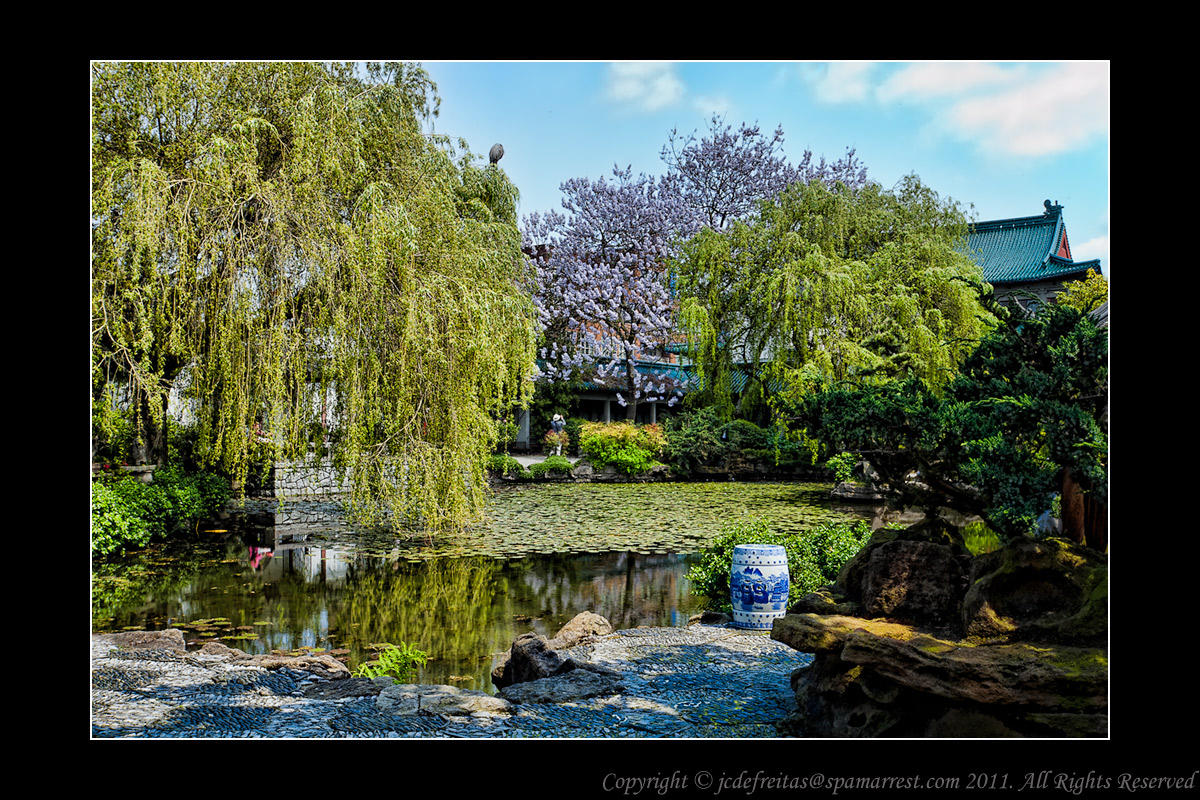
[274,577]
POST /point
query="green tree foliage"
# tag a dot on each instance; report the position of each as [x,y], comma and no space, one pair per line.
[1084,295]
[270,235]
[858,284]
[1027,406]
[700,438]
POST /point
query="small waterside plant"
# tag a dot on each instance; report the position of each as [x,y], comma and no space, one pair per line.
[397,662]
[815,556]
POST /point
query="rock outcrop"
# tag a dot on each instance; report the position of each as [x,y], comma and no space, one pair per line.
[578,684]
[918,639]
[169,639]
[580,627]
[1031,589]
[414,698]
[533,657]
[325,666]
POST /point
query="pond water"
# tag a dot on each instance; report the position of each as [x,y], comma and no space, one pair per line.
[283,577]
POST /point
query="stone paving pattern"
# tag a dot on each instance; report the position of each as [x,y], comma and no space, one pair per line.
[696,682]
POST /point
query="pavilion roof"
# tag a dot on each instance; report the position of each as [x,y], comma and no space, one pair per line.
[1025,249]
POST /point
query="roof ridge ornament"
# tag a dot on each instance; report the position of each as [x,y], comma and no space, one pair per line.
[1052,209]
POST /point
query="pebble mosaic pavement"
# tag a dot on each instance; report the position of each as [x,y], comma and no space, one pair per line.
[696,682]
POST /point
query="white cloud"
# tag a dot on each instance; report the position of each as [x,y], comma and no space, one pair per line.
[712,105]
[841,81]
[1021,109]
[1096,247]
[1059,110]
[647,86]
[921,82]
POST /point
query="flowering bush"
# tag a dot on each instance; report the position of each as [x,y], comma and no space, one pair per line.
[555,439]
[630,448]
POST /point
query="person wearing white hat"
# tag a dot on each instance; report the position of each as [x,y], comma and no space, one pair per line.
[558,424]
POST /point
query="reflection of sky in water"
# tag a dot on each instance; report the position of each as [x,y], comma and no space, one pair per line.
[325,585]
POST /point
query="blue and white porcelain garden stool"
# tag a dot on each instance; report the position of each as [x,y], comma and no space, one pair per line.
[758,585]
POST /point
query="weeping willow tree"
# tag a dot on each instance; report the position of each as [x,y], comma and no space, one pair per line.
[830,283]
[267,236]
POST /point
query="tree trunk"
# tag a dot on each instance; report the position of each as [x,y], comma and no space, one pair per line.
[630,378]
[1084,519]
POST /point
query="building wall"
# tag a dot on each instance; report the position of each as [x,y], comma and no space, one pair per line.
[1044,291]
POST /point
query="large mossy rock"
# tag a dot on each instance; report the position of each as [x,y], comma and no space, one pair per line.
[913,581]
[917,639]
[1037,589]
[916,575]
[874,678]
[814,633]
[1020,675]
[826,600]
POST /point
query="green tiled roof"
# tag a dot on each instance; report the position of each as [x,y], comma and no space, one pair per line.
[1023,249]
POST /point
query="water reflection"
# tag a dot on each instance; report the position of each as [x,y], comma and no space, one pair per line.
[282,578]
[461,610]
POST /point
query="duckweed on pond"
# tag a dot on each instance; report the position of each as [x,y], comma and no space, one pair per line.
[602,518]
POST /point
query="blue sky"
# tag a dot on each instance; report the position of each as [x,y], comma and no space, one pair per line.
[1000,136]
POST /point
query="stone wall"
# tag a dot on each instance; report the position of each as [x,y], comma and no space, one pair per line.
[302,479]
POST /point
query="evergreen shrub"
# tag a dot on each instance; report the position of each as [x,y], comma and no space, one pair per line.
[503,464]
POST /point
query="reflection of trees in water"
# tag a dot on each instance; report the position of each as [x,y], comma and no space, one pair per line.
[629,589]
[443,606]
[459,610]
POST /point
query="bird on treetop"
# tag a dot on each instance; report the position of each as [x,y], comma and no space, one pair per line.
[496,153]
